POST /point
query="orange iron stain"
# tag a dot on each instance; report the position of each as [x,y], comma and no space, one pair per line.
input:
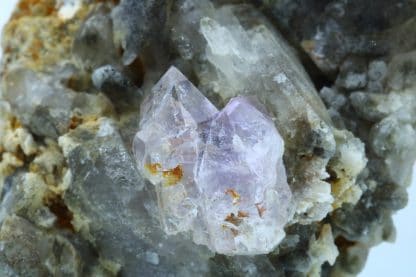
[233,230]
[234,195]
[233,219]
[173,176]
[153,169]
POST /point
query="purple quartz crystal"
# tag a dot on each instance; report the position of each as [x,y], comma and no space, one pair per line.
[218,174]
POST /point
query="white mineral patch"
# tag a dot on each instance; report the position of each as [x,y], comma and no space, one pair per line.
[68,8]
[106,128]
[323,250]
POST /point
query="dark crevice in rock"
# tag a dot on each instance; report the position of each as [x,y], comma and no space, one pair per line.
[64,216]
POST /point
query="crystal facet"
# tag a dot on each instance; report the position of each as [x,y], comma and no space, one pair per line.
[243,181]
[218,174]
[166,147]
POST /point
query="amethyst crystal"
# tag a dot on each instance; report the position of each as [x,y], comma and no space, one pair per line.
[219,175]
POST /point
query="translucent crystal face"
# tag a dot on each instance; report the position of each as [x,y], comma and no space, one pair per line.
[218,174]
[166,147]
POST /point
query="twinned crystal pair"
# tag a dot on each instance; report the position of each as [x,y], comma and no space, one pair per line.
[218,174]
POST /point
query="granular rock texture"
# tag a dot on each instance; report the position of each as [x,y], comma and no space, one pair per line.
[338,79]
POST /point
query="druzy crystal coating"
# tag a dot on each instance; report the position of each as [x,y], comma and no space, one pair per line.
[218,174]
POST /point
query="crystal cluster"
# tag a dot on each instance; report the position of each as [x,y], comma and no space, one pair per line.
[338,82]
[218,174]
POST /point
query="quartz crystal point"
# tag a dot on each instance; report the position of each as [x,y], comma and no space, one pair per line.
[166,147]
[243,158]
[217,174]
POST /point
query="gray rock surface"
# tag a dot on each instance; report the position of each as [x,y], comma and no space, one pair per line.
[339,83]
[331,31]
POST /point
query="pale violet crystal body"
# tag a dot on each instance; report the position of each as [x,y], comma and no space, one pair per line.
[218,174]
[166,147]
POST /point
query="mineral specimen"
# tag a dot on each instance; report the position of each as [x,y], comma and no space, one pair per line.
[338,83]
[218,174]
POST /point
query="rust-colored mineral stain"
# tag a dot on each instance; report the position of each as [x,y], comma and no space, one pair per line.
[63,215]
[233,230]
[75,122]
[337,182]
[242,214]
[343,244]
[172,176]
[15,123]
[234,195]
[38,7]
[260,209]
[233,219]
[153,169]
